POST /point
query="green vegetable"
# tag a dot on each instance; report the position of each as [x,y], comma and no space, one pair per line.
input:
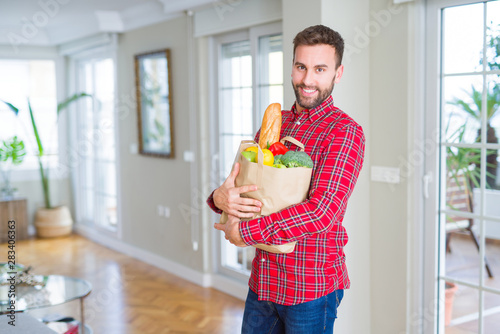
[249,155]
[279,165]
[277,159]
[293,159]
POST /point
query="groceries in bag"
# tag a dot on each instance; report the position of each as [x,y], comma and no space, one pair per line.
[278,187]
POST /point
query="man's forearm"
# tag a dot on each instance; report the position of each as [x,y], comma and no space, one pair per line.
[211,203]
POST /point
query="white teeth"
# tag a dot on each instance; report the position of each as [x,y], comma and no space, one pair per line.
[309,90]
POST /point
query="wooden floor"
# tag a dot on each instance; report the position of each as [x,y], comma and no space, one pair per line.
[129,296]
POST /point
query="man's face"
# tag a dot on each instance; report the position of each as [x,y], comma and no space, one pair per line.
[314,74]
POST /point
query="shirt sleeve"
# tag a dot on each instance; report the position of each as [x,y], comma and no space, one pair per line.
[211,203]
[334,178]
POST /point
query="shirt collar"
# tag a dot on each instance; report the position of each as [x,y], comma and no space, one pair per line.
[313,114]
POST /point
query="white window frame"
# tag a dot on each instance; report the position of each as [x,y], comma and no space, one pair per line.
[99,52]
[33,174]
[253,35]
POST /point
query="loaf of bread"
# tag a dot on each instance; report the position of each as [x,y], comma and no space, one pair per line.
[271,126]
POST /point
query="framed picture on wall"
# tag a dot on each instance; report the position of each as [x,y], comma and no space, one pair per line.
[154,103]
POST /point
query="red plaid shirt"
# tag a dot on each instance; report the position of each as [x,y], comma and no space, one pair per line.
[316,267]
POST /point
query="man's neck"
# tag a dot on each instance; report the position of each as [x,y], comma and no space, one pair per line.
[298,107]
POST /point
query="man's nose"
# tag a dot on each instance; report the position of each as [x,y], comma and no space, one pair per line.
[308,79]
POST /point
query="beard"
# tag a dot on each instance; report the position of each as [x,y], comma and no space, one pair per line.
[312,102]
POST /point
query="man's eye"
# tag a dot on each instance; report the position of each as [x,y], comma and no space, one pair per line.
[320,69]
[300,67]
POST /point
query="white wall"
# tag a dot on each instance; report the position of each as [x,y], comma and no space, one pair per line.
[389,122]
[148,181]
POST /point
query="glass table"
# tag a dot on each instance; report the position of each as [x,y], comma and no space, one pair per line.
[57,290]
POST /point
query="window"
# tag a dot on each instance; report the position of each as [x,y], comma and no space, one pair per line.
[36,80]
[95,177]
[250,71]
[467,97]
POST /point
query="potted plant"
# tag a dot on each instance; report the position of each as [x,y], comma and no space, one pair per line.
[12,153]
[449,298]
[50,220]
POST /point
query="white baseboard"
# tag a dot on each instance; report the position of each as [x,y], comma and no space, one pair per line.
[191,275]
[230,286]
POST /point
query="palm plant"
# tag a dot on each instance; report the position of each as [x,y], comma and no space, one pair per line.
[12,153]
[461,160]
[44,170]
[474,107]
[493,44]
[473,110]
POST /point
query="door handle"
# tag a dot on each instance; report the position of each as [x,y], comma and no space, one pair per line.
[426,180]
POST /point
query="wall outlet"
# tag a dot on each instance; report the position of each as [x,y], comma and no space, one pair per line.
[134,149]
[161,210]
[166,211]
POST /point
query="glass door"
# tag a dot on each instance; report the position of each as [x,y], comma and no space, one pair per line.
[467,116]
[250,72]
[96,198]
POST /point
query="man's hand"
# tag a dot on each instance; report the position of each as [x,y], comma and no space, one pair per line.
[227,197]
[231,230]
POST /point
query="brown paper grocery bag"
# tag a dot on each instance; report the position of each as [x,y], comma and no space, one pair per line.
[277,188]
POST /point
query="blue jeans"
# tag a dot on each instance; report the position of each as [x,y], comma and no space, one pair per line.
[315,317]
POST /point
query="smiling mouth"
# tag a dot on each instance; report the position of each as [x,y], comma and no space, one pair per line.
[308,92]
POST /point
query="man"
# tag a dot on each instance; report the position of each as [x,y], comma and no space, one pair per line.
[299,292]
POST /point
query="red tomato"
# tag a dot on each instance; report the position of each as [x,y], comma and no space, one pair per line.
[278,148]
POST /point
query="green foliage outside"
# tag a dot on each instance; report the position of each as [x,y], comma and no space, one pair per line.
[468,160]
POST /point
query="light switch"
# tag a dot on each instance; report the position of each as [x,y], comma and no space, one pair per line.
[189,156]
[385,174]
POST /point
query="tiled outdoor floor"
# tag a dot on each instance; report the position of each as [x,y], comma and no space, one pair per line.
[463,263]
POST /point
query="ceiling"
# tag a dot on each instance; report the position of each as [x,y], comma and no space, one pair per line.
[53,22]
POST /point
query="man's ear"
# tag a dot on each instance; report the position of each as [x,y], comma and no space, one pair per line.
[340,71]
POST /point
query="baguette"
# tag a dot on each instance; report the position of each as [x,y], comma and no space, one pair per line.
[271,126]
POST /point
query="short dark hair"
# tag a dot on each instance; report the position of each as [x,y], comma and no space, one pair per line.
[321,34]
